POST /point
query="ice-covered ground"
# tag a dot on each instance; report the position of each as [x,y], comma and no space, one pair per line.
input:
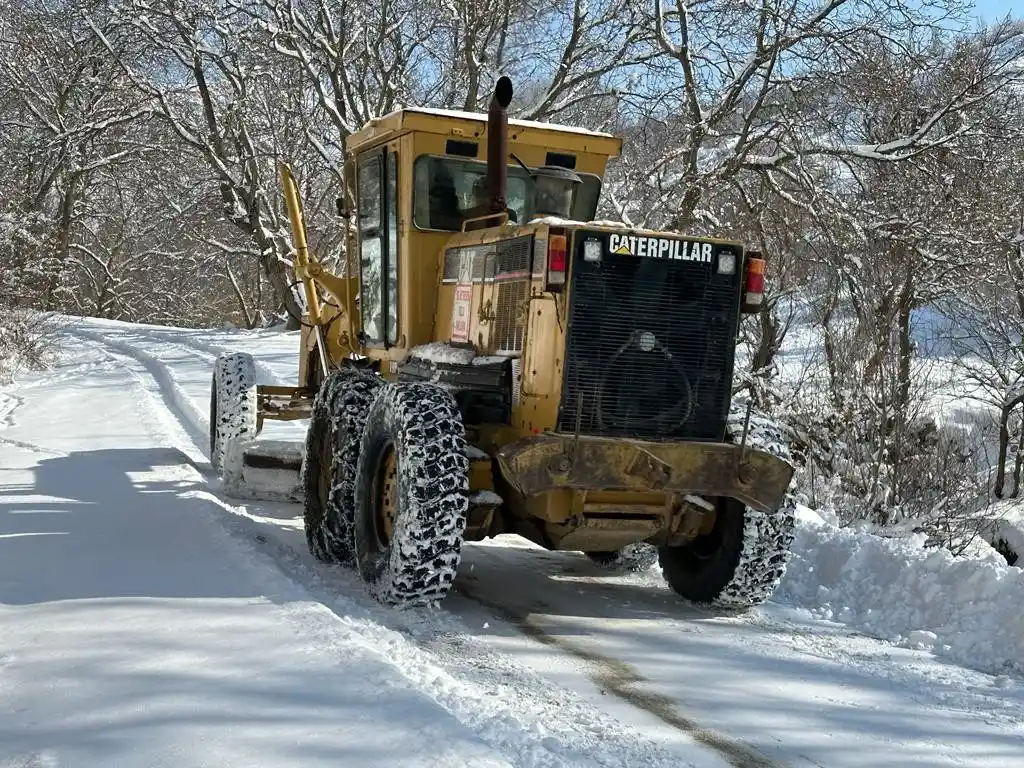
[149,621]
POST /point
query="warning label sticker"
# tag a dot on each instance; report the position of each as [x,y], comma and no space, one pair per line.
[463,303]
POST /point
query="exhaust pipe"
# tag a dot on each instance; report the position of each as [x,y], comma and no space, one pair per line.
[497,145]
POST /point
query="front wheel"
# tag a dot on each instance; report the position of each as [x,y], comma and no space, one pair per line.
[741,561]
[233,406]
[411,496]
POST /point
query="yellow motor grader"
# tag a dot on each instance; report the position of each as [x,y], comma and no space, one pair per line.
[493,360]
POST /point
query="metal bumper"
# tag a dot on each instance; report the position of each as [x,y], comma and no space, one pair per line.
[543,463]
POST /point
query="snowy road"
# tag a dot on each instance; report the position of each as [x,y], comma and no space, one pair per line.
[148,622]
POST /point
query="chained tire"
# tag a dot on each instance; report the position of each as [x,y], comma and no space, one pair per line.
[411,496]
[233,406]
[329,467]
[740,562]
[633,558]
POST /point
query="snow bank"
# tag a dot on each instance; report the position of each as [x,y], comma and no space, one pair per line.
[970,610]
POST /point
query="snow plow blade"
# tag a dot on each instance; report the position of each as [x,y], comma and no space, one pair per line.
[535,465]
[263,470]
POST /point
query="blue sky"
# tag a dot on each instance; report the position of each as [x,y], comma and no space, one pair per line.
[991,10]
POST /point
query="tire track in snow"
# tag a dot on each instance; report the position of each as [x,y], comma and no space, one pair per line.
[548,728]
[482,690]
[210,351]
[36,760]
[31,447]
[9,403]
[181,406]
[621,679]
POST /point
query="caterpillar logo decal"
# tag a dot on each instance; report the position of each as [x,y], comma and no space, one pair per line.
[660,248]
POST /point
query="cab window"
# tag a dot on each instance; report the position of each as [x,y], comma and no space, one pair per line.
[377,184]
[447,190]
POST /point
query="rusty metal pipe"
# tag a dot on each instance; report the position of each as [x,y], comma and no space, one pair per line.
[497,145]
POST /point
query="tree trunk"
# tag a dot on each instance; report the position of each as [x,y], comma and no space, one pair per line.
[278,279]
[61,240]
[1004,444]
[1018,463]
[905,349]
[248,317]
[831,352]
[768,345]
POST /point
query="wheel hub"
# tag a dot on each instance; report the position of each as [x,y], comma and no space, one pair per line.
[387,508]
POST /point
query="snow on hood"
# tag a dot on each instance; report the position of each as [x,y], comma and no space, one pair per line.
[555,221]
[440,352]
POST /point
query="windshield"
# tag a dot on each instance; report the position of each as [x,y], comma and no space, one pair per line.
[446,190]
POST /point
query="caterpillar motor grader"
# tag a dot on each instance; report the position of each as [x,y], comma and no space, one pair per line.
[493,360]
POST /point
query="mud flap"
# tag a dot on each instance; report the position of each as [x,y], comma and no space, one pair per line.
[263,470]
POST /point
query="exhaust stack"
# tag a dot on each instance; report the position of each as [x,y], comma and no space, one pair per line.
[497,145]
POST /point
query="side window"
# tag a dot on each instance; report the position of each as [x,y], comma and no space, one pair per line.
[378,246]
[391,207]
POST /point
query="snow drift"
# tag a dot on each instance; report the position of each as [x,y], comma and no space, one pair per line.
[968,610]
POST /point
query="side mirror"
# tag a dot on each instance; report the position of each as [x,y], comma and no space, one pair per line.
[342,207]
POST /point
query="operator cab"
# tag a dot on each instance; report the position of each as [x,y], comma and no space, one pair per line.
[420,175]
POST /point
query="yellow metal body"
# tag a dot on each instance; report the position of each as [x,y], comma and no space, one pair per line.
[568,492]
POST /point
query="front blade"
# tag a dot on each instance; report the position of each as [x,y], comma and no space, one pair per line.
[263,470]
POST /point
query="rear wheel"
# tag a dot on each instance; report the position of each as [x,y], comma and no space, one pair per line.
[741,561]
[329,468]
[411,497]
[233,406]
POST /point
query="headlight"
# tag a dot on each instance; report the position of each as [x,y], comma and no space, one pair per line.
[592,250]
[727,263]
[647,341]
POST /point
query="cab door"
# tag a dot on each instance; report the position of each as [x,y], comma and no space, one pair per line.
[377,231]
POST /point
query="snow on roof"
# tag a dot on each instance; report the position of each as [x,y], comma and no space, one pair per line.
[482,118]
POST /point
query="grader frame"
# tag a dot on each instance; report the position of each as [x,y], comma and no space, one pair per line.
[531,469]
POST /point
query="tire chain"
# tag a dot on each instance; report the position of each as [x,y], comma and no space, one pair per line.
[767,536]
[343,400]
[433,486]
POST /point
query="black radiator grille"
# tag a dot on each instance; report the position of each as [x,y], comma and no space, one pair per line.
[650,342]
